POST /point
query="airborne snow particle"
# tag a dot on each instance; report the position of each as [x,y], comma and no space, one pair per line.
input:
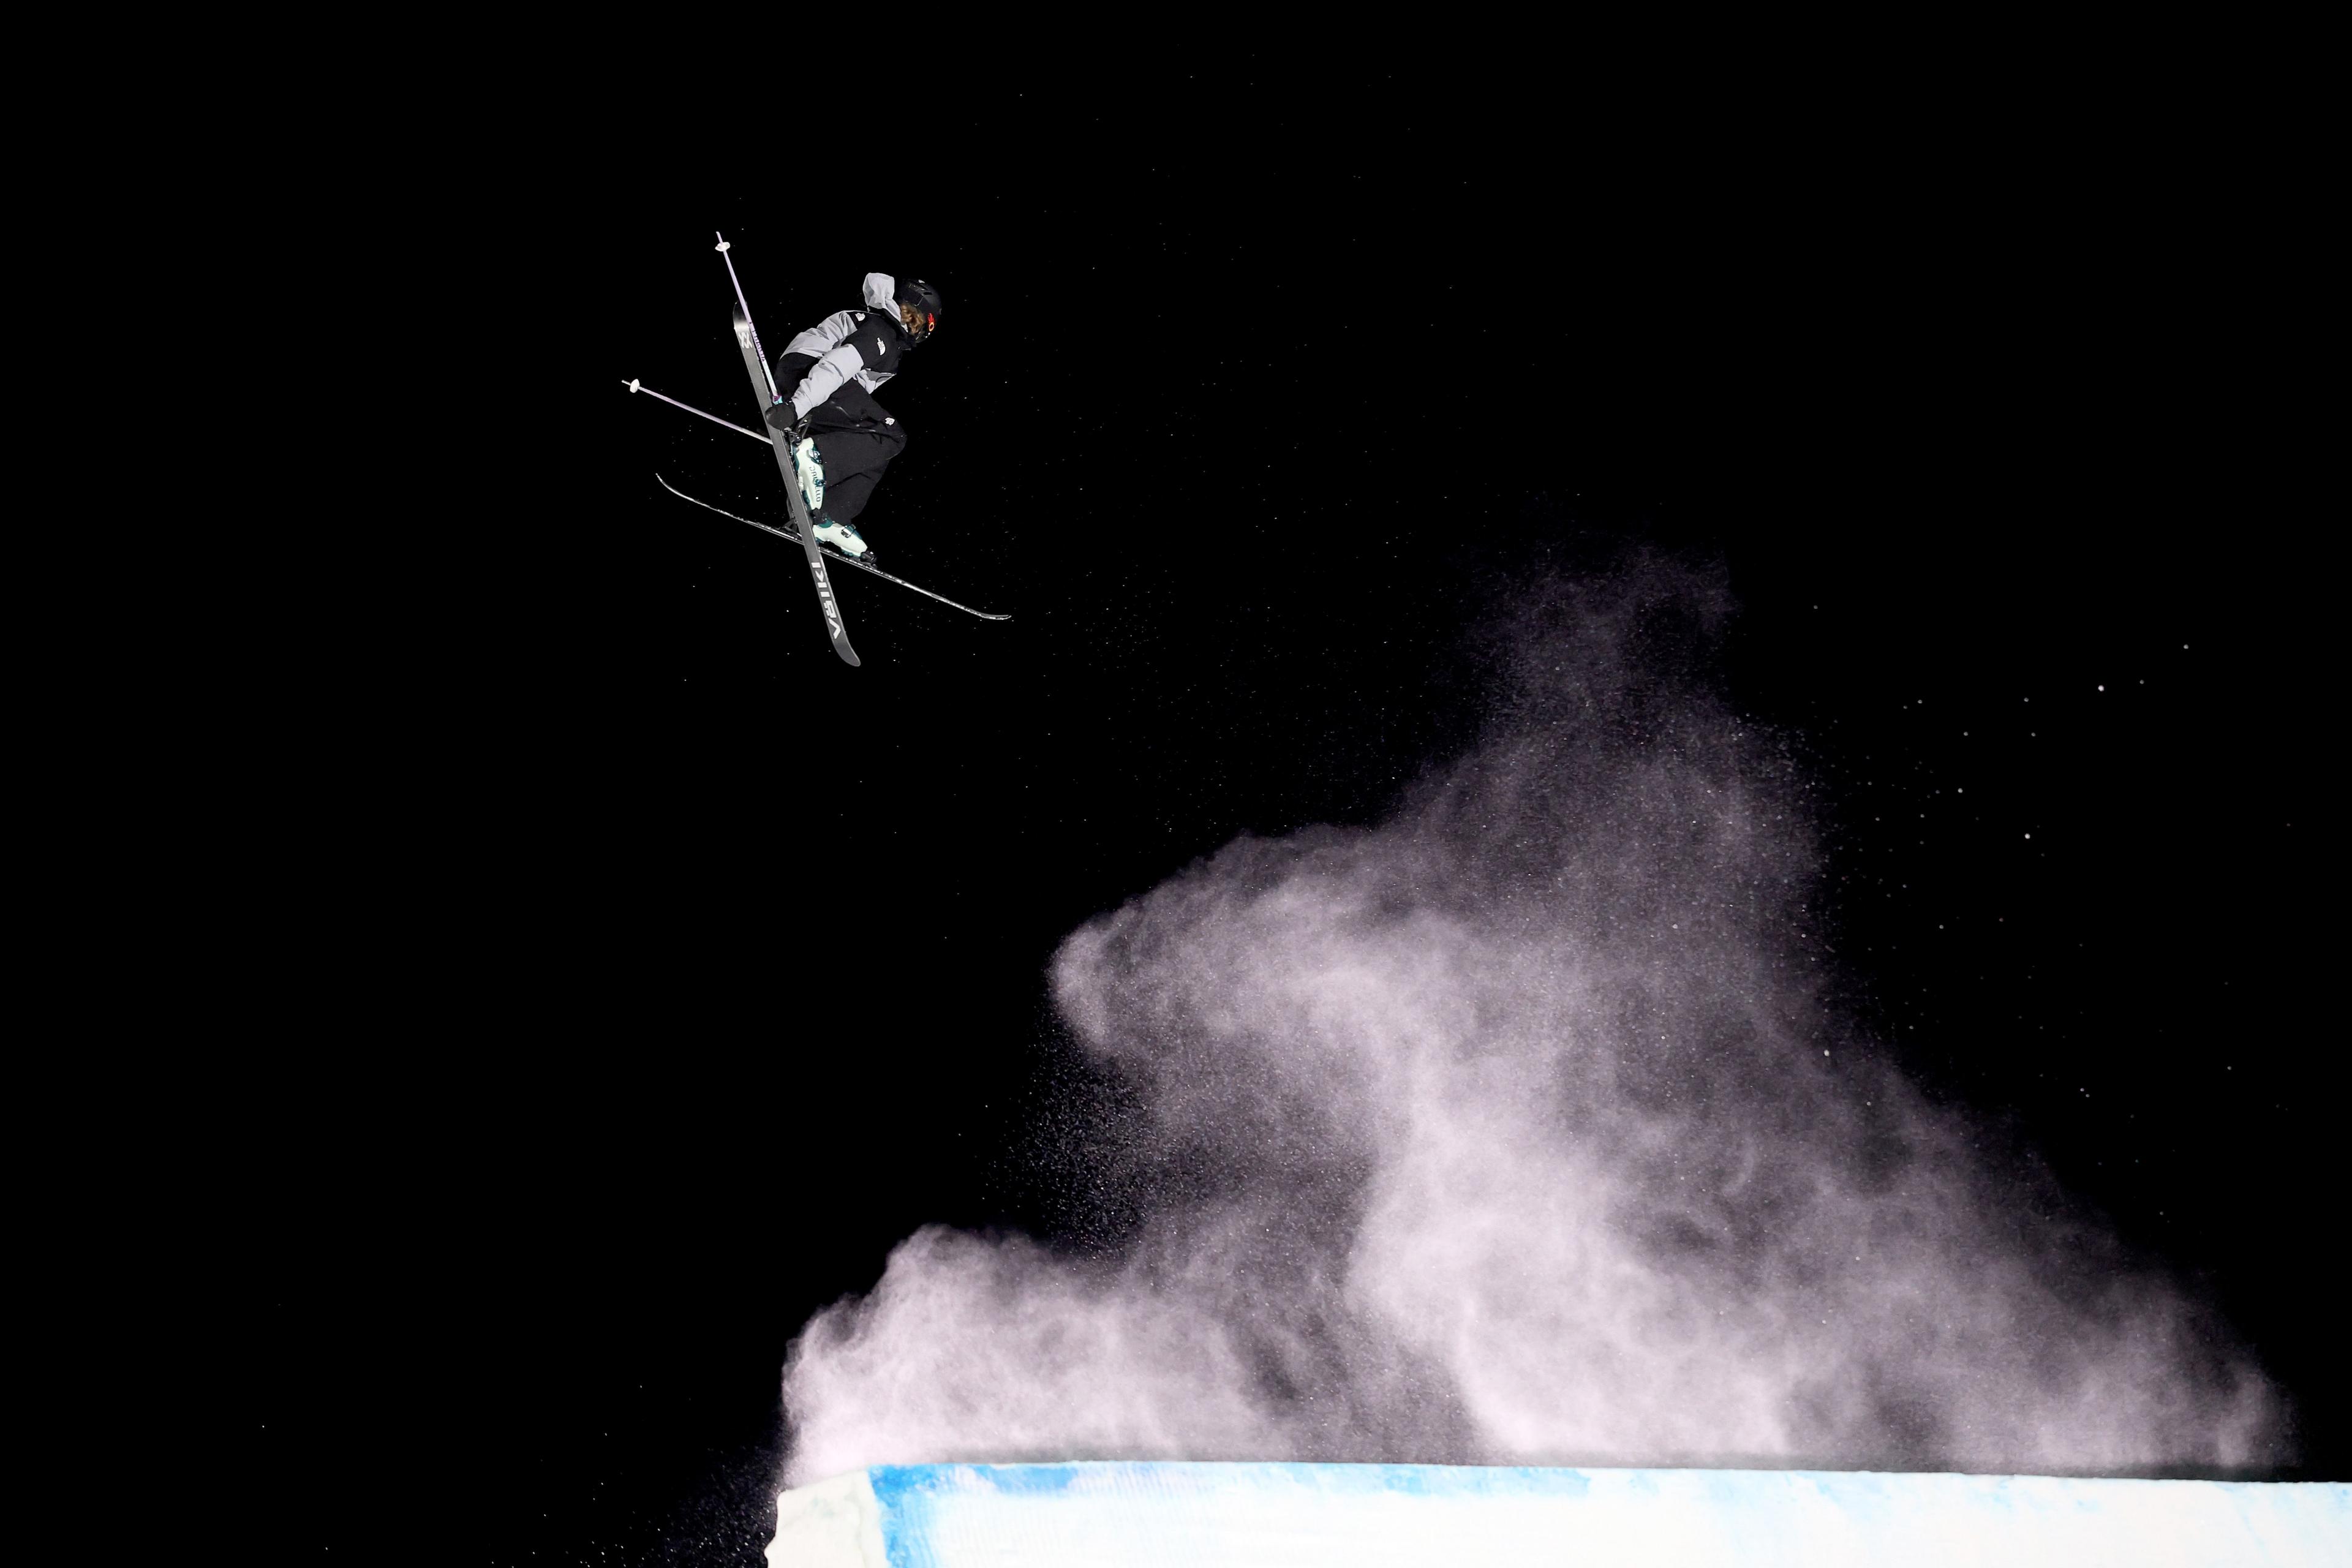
[1420,1145]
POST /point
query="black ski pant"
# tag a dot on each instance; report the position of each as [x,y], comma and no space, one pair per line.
[856,438]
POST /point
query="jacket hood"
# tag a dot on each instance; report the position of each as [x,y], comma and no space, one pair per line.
[881,292]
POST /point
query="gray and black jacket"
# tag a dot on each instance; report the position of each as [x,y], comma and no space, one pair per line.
[861,344]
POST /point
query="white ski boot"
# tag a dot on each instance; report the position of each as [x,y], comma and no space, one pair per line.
[808,467]
[842,537]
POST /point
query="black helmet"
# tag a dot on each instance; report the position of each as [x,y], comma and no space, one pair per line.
[925,301]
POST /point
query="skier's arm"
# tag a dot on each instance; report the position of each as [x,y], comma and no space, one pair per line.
[838,365]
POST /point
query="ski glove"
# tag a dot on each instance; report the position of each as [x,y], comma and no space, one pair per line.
[781,418]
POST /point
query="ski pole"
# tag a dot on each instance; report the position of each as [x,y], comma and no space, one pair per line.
[766,378]
[690,408]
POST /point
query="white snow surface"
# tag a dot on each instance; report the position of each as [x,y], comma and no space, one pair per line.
[1372,1516]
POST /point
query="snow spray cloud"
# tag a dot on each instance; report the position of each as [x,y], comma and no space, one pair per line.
[1513,1130]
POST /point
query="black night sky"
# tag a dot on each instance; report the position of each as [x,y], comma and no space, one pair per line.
[1989,427]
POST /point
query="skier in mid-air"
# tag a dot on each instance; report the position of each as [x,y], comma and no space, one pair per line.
[825,381]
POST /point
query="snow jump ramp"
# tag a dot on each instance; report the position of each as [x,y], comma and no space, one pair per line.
[1375,1516]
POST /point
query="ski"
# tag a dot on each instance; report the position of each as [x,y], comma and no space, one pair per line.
[762,395]
[831,555]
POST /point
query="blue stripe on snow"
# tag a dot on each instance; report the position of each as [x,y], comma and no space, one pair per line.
[928,1517]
